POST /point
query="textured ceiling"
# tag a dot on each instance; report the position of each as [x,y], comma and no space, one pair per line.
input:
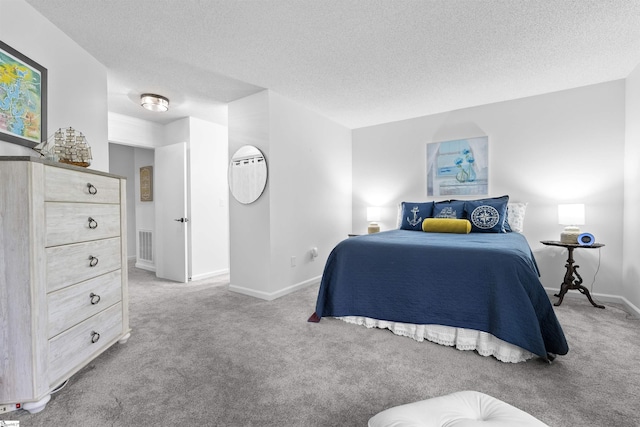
[358,62]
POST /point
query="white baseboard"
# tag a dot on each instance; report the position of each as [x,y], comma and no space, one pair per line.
[210,274]
[145,266]
[273,295]
[632,309]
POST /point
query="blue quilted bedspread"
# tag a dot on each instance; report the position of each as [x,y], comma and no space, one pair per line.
[483,281]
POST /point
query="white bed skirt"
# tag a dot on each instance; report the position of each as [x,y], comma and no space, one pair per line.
[462,339]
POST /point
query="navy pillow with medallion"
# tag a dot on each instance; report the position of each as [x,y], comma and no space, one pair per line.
[487,215]
[449,209]
[414,213]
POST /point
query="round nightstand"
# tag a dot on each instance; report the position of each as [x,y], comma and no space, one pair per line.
[572,279]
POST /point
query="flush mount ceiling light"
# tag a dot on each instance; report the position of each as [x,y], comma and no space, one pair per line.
[154,102]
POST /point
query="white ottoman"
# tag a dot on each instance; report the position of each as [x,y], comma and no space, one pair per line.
[461,409]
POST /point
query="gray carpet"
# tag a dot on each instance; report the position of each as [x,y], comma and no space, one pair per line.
[200,355]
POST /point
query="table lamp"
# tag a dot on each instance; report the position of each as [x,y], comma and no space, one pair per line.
[373,216]
[571,216]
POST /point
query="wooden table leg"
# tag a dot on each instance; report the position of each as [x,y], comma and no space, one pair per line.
[573,280]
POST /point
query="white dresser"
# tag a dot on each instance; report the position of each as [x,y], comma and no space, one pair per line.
[63,274]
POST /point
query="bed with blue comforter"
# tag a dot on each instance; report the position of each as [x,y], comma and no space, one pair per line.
[482,281]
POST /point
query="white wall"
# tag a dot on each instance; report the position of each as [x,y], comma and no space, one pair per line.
[561,147]
[122,162]
[631,251]
[310,174]
[250,225]
[307,202]
[77,82]
[208,199]
[176,131]
[135,132]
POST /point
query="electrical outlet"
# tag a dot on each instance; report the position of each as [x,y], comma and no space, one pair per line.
[9,408]
[293,261]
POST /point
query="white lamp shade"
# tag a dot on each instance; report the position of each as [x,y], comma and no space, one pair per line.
[571,214]
[373,214]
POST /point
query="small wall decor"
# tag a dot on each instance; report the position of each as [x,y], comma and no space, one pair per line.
[458,167]
[23,98]
[146,184]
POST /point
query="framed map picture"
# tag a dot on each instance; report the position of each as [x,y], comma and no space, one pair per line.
[23,98]
[458,167]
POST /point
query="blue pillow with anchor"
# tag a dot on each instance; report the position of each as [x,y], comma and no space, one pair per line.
[414,213]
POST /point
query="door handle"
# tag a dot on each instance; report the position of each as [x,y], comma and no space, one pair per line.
[182,219]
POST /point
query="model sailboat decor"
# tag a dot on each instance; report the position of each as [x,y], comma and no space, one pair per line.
[67,146]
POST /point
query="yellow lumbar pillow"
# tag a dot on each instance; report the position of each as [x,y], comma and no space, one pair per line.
[446,225]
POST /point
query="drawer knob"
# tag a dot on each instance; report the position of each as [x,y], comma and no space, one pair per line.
[92,188]
[94,298]
[94,337]
[93,223]
[93,261]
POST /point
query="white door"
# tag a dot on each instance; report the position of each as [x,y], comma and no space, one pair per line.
[170,189]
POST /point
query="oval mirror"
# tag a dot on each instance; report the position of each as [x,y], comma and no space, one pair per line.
[247,174]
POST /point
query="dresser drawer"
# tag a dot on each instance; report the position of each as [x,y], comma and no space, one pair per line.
[80,222]
[77,262]
[73,304]
[74,347]
[65,185]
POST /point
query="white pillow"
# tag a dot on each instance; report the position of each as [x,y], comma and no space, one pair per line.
[515,216]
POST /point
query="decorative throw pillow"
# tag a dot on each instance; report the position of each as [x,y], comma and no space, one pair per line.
[449,209]
[414,213]
[446,225]
[487,215]
[515,216]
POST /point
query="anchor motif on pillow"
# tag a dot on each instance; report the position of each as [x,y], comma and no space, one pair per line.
[415,221]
